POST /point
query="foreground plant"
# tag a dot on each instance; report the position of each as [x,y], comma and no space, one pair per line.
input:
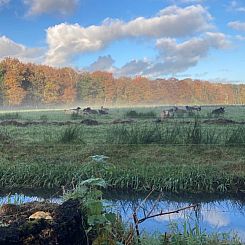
[102,227]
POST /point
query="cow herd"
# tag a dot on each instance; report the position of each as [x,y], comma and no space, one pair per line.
[170,113]
[187,110]
[87,111]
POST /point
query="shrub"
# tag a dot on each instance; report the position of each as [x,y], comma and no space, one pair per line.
[71,134]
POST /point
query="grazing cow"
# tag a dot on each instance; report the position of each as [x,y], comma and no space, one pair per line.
[103,111]
[218,111]
[88,110]
[73,110]
[166,114]
[193,108]
[76,109]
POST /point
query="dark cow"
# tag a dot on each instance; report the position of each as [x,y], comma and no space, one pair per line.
[179,111]
[193,108]
[103,111]
[219,111]
[88,110]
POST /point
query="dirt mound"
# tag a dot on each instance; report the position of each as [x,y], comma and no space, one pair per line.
[221,121]
[30,123]
[66,226]
[123,121]
[90,122]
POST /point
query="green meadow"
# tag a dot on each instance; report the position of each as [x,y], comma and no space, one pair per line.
[189,153]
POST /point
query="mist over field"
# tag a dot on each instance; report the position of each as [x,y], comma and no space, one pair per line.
[44,86]
[122,122]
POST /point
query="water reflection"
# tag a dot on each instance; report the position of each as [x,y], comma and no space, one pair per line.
[220,215]
[227,215]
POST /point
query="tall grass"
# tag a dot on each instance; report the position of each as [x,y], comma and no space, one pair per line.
[71,134]
[192,134]
[135,114]
[76,116]
[236,137]
[170,178]
[188,235]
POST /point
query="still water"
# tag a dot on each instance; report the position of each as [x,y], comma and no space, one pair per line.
[215,214]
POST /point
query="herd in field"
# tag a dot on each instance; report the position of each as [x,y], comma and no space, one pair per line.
[87,111]
[164,114]
[188,109]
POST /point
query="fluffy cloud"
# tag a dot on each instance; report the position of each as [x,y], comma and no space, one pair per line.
[175,57]
[237,25]
[103,63]
[134,67]
[9,48]
[179,57]
[63,7]
[66,41]
[4,2]
[235,6]
[216,219]
[240,38]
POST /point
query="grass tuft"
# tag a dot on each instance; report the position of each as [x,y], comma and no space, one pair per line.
[71,134]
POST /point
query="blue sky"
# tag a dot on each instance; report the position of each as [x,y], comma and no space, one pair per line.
[201,39]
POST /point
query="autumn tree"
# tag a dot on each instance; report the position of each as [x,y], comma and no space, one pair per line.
[13,81]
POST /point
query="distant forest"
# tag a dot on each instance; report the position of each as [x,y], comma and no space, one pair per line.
[31,84]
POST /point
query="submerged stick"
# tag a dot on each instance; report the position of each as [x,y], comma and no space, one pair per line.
[166,213]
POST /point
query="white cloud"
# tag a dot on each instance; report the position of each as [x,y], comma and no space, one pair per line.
[216,219]
[66,41]
[176,57]
[237,25]
[179,57]
[4,2]
[9,48]
[235,6]
[240,38]
[103,63]
[173,57]
[63,7]
[134,67]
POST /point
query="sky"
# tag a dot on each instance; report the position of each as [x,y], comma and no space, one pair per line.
[200,39]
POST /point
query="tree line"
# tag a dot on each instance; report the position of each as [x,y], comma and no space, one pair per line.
[31,84]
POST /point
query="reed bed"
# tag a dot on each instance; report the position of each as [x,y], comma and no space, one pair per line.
[178,134]
[205,179]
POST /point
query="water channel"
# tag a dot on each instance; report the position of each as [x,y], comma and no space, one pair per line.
[215,213]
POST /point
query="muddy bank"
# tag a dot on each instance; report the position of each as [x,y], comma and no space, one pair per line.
[43,223]
[88,122]
[16,123]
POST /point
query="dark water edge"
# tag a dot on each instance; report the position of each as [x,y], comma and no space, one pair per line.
[217,213]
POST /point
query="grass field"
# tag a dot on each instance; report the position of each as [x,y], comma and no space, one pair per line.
[183,154]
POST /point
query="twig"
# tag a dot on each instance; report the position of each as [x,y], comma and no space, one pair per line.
[166,213]
[144,200]
[154,205]
[136,223]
